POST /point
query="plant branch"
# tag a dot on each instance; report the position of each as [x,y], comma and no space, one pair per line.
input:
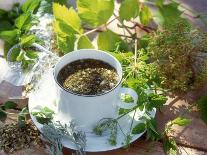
[99,29]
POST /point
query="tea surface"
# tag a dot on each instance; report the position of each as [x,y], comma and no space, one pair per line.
[88,77]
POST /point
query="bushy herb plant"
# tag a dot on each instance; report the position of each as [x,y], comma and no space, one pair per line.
[180,55]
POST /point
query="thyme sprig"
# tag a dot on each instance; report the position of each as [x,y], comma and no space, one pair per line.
[55,131]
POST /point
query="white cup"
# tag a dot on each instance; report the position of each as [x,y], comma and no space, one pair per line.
[87,110]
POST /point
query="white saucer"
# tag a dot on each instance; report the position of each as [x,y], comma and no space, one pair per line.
[46,95]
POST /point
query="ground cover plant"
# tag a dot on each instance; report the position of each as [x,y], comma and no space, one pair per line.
[150,61]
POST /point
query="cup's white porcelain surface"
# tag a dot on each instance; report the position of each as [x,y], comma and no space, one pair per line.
[87,110]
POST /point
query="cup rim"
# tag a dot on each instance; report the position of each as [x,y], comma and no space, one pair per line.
[83,95]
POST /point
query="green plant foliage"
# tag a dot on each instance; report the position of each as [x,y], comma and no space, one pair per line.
[139,128]
[127,98]
[176,51]
[21,117]
[145,15]
[167,13]
[202,106]
[22,20]
[181,121]
[108,40]
[95,12]
[30,5]
[170,146]
[27,40]
[68,16]
[44,116]
[10,36]
[129,9]
[84,43]
[7,105]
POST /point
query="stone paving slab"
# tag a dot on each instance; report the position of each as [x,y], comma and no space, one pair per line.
[193,135]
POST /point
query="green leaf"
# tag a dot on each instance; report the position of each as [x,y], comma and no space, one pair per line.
[84,43]
[20,56]
[181,121]
[157,100]
[30,5]
[139,128]
[31,54]
[127,98]
[69,16]
[170,146]
[44,116]
[145,15]
[107,40]
[95,12]
[3,115]
[152,129]
[10,36]
[15,53]
[202,107]
[24,21]
[27,40]
[123,111]
[21,117]
[5,25]
[2,13]
[129,9]
[167,14]
[66,43]
[9,105]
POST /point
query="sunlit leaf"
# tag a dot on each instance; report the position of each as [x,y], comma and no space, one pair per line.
[10,36]
[170,146]
[167,14]
[27,40]
[95,12]
[129,9]
[84,43]
[145,15]
[24,21]
[69,16]
[108,40]
[181,121]
[30,5]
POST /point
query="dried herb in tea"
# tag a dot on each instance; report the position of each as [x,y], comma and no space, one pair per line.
[88,77]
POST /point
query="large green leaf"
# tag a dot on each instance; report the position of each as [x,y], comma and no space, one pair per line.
[31,54]
[167,14]
[30,5]
[10,36]
[145,15]
[139,128]
[129,9]
[95,12]
[27,39]
[108,40]
[24,21]
[68,16]
[66,43]
[84,43]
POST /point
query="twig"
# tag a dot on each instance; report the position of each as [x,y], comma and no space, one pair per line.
[100,27]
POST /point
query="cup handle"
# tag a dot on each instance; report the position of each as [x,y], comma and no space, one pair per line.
[132,93]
